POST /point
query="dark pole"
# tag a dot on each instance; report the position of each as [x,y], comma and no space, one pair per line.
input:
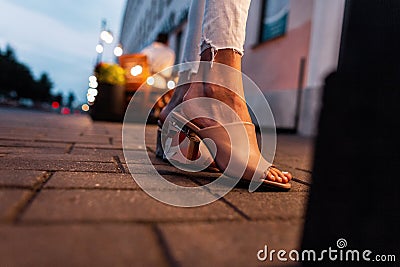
[300,88]
[102,28]
[355,192]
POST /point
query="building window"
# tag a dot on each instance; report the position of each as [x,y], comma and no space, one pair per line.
[274,19]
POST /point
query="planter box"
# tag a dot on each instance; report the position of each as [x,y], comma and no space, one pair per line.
[110,103]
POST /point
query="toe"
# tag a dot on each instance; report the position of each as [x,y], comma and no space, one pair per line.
[278,178]
[275,175]
[288,175]
[282,176]
[270,177]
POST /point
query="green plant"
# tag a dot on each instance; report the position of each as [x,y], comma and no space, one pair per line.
[110,73]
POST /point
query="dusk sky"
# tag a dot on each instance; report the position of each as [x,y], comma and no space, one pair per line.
[59,37]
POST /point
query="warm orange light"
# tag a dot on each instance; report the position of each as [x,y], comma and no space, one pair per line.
[85,107]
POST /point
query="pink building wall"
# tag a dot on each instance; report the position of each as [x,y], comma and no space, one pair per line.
[274,65]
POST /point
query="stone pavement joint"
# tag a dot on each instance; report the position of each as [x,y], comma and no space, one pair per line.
[15,212]
[118,163]
[167,253]
[69,148]
[229,204]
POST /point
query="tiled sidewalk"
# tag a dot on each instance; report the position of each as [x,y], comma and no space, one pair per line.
[67,199]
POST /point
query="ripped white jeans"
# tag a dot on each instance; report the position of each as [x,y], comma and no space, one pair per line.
[215,24]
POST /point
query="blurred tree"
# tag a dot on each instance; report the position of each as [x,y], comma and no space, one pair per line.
[71,99]
[42,88]
[9,53]
[16,78]
[58,98]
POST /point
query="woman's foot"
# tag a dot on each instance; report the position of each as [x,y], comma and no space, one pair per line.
[177,96]
[234,99]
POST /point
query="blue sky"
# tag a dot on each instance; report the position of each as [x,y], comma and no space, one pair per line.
[59,37]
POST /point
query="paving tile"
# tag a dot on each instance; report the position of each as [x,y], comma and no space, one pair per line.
[18,143]
[91,180]
[60,165]
[206,178]
[25,138]
[270,205]
[137,168]
[143,157]
[294,150]
[114,205]
[61,157]
[80,245]
[75,139]
[99,152]
[164,169]
[153,185]
[19,178]
[8,199]
[32,150]
[109,146]
[230,244]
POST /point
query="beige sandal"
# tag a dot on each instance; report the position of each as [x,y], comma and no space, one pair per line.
[229,160]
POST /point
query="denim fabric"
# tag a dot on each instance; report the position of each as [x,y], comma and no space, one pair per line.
[224,24]
[215,24]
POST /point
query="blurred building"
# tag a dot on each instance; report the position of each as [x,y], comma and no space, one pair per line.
[290,45]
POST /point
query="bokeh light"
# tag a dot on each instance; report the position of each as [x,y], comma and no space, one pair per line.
[65,111]
[107,37]
[55,105]
[93,84]
[150,81]
[92,78]
[118,51]
[99,48]
[85,107]
[90,98]
[92,91]
[137,70]
[171,85]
